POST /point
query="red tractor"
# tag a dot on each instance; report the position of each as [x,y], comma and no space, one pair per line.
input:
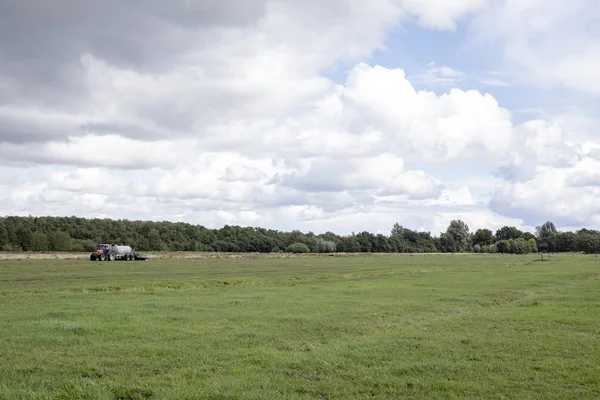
[112,252]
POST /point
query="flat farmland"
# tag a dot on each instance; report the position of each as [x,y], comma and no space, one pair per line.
[306,327]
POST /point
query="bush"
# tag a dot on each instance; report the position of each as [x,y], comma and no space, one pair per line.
[533,245]
[485,248]
[77,247]
[12,248]
[519,246]
[503,246]
[477,248]
[83,245]
[324,246]
[516,246]
[493,248]
[298,248]
[59,241]
[224,247]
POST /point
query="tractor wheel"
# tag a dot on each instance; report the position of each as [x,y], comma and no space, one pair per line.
[92,257]
[111,257]
[102,257]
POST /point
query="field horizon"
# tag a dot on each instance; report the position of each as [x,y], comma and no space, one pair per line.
[67,255]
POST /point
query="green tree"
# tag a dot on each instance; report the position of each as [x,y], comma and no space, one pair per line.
[519,246]
[528,235]
[532,245]
[507,233]
[365,241]
[397,230]
[546,234]
[225,247]
[483,237]
[3,234]
[39,242]
[154,240]
[324,246]
[459,231]
[59,241]
[24,237]
[588,241]
[349,244]
[503,246]
[565,241]
[448,244]
[298,248]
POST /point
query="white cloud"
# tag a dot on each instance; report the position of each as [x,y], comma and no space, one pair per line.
[565,195]
[493,82]
[443,75]
[443,14]
[461,196]
[236,124]
[541,144]
[550,43]
[456,125]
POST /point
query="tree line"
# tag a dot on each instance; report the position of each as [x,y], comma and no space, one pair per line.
[76,234]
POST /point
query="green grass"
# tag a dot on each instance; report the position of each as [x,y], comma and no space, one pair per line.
[364,327]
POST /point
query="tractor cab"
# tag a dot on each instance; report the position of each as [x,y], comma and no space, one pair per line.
[101,253]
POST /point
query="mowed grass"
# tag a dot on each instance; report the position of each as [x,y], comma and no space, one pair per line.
[316,327]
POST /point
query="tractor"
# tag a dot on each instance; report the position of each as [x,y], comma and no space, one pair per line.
[112,252]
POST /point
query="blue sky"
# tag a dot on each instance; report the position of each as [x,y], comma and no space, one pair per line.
[289,115]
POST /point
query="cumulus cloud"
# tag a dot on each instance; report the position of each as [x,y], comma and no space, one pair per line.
[541,144]
[565,195]
[443,14]
[219,113]
[381,175]
[528,33]
[553,175]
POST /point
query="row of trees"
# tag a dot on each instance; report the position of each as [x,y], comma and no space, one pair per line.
[80,234]
[510,239]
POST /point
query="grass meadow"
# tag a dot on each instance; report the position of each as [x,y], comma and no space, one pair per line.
[307,327]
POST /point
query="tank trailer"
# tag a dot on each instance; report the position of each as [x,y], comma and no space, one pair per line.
[113,252]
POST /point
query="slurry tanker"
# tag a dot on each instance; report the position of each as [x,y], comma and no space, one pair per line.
[113,252]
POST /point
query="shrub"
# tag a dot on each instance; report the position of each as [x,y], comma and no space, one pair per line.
[533,245]
[77,247]
[485,248]
[298,248]
[324,246]
[520,246]
[493,248]
[224,247]
[59,241]
[82,245]
[477,248]
[503,246]
[12,248]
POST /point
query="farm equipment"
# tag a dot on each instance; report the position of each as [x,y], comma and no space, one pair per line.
[113,252]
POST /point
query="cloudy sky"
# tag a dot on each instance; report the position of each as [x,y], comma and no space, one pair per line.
[341,115]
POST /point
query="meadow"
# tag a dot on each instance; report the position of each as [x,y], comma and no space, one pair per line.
[308,327]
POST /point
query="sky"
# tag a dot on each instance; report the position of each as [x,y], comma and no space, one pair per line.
[340,115]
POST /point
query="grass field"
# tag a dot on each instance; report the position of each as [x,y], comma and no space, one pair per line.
[362,327]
